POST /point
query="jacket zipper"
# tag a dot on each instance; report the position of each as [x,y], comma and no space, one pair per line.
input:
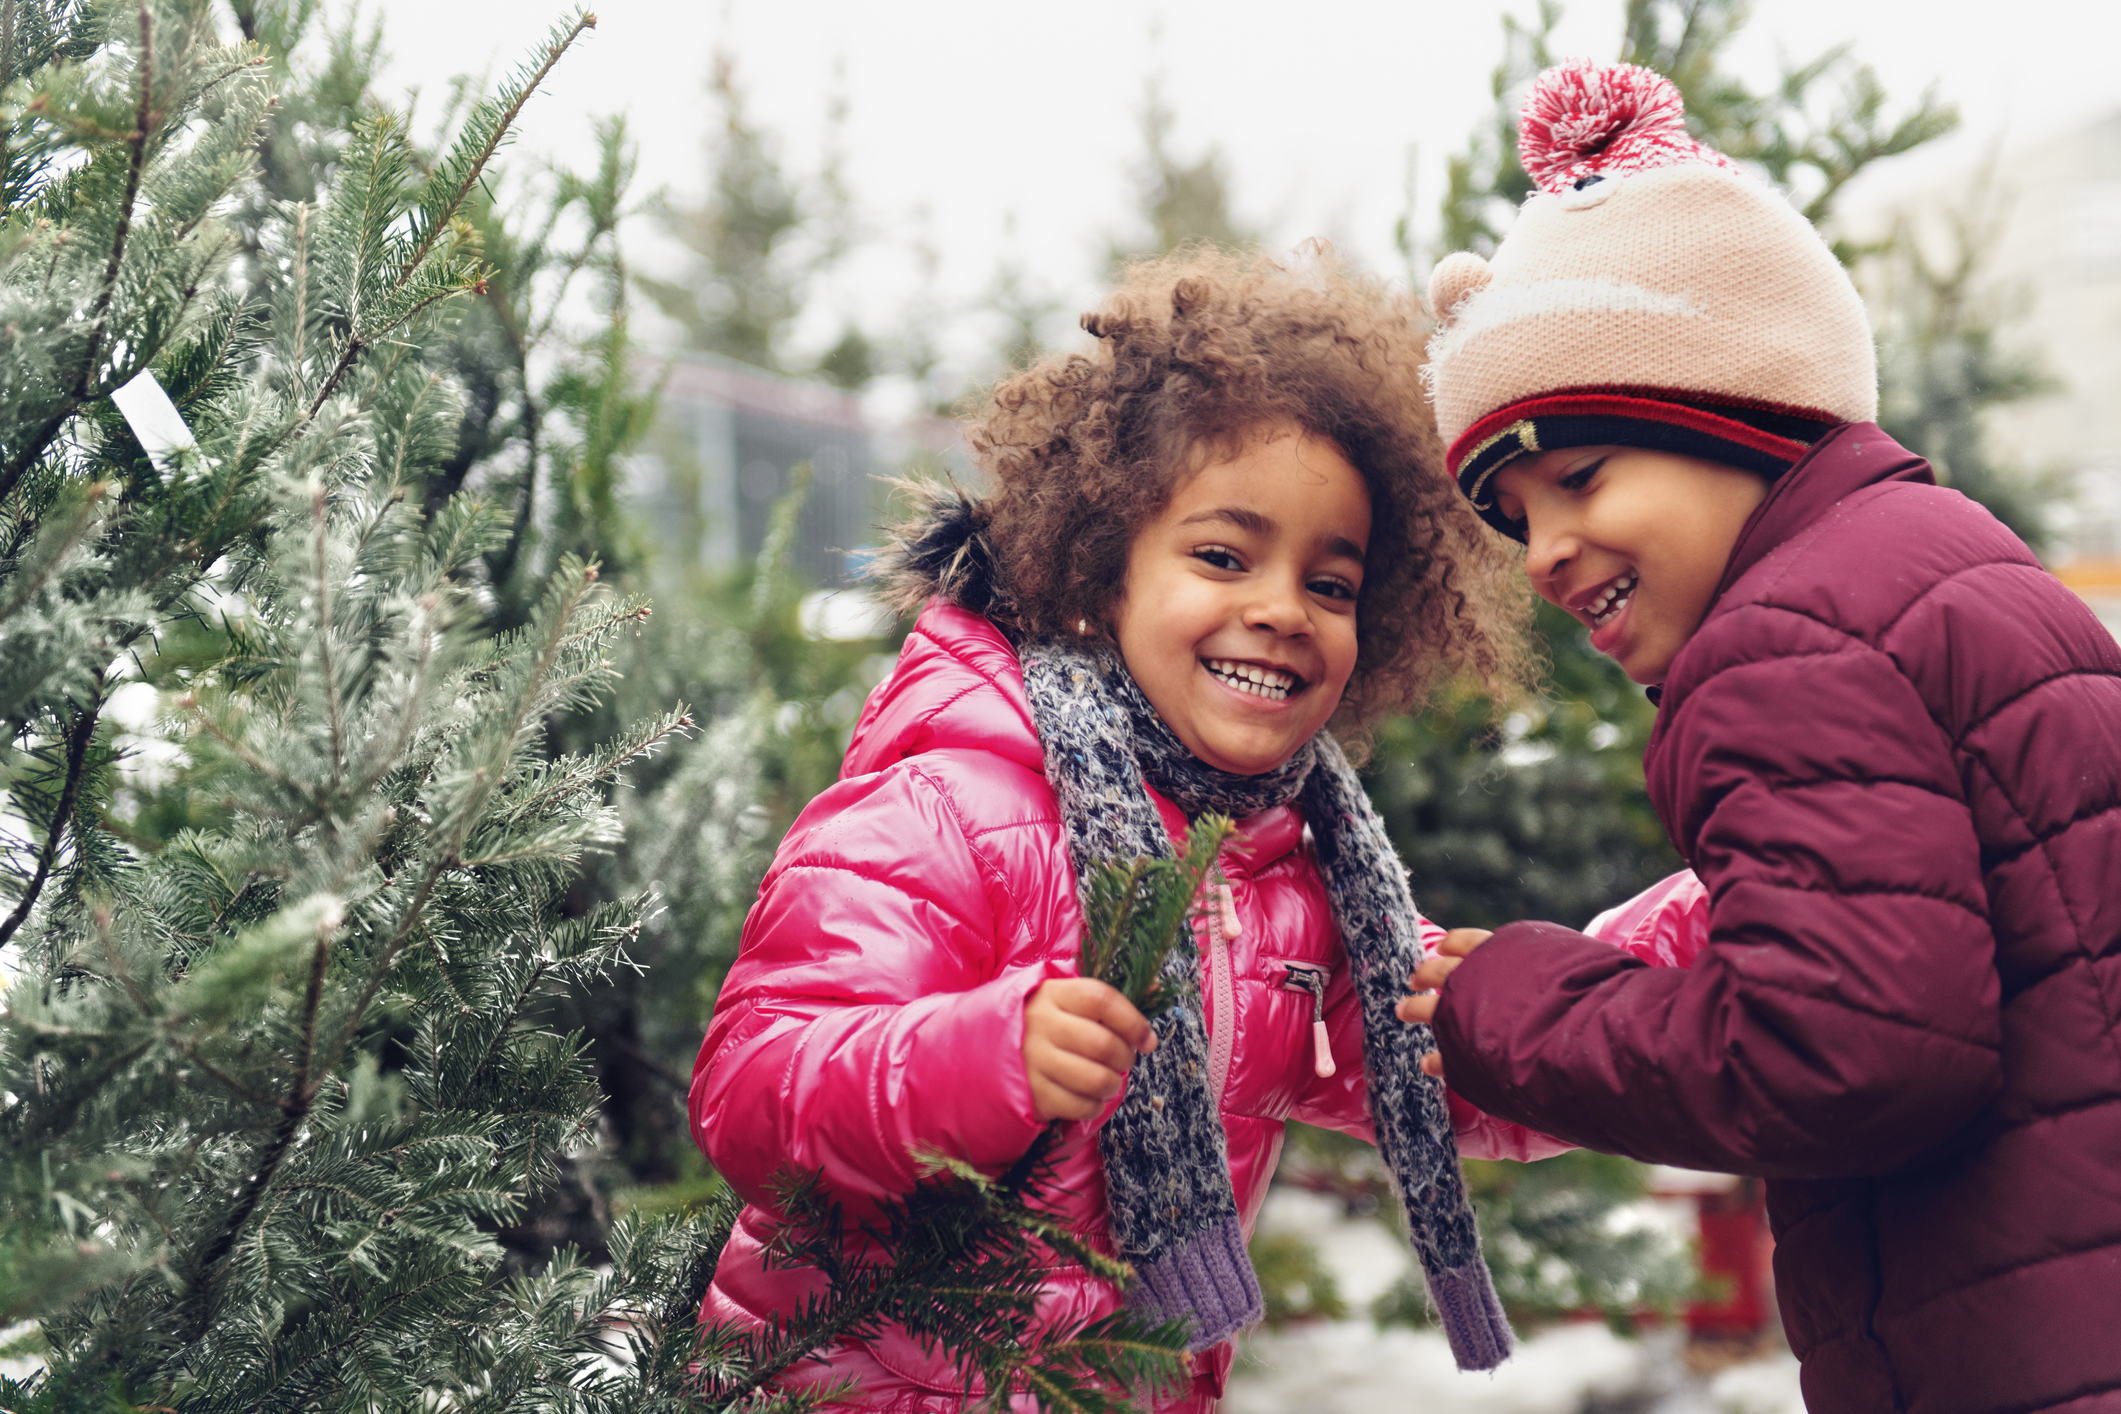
[1223,928]
[1303,978]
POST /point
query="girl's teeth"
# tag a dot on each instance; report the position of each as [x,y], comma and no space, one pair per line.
[1248,677]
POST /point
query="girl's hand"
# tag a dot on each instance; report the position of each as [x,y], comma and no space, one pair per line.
[1428,980]
[1080,1040]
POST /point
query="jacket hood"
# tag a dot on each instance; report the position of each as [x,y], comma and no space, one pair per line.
[942,550]
[957,684]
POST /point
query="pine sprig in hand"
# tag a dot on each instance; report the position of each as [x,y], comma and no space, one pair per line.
[964,1257]
[1136,911]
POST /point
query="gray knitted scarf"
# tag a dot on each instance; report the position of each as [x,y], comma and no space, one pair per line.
[1167,1176]
[1167,1173]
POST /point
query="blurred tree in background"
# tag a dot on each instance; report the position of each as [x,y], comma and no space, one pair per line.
[1943,358]
[759,244]
[1176,201]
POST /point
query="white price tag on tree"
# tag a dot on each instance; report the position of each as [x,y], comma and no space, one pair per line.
[155,421]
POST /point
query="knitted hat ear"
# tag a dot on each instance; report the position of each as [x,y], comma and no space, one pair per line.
[1455,277]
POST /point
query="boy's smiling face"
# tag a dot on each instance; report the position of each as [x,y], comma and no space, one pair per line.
[1631,543]
[1238,614]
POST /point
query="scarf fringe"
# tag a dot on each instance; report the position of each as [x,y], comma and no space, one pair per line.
[1206,1279]
[1471,1314]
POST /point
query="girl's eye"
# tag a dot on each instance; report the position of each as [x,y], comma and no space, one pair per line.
[1581,477]
[1219,556]
[1333,589]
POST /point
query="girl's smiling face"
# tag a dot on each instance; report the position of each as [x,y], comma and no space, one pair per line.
[1631,543]
[1237,617]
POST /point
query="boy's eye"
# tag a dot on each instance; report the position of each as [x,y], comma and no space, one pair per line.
[1581,477]
[1221,557]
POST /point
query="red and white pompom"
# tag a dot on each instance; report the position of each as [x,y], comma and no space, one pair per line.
[1586,119]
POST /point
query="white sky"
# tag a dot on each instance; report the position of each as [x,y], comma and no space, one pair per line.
[996,129]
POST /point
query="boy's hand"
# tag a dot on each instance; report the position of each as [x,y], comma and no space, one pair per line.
[1428,979]
[1080,1040]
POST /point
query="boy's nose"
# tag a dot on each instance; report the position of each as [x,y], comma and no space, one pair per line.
[1546,556]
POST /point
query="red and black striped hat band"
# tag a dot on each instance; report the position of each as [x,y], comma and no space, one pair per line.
[1766,438]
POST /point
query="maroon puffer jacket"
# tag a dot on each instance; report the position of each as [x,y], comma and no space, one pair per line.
[1893,753]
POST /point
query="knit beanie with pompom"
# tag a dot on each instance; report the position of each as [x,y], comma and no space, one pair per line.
[1649,295]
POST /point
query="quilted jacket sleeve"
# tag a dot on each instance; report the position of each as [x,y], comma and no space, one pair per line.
[873,1009]
[1843,1017]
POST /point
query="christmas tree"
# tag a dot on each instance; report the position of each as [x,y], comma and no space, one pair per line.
[277,1060]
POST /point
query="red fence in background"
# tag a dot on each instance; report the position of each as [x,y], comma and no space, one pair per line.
[1735,1252]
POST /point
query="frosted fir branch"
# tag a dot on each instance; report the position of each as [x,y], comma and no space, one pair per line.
[569,776]
[78,737]
[566,595]
[136,162]
[467,163]
[967,1256]
[47,558]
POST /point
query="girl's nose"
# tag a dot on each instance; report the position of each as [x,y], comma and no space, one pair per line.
[1279,608]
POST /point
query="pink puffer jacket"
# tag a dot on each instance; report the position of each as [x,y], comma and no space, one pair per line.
[876,1005]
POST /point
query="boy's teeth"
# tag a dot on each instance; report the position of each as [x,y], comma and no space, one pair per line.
[1609,601]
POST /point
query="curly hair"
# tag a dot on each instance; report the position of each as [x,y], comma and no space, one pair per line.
[1197,350]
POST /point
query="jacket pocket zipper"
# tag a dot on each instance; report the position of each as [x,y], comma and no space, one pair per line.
[1304,978]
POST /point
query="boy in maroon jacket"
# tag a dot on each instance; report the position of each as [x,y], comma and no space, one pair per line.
[1887,741]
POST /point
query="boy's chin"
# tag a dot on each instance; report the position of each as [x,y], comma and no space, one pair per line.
[1645,669]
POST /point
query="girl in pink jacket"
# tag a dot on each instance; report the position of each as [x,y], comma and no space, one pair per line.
[1218,545]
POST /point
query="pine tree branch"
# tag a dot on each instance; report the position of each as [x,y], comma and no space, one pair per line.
[79,735]
[138,141]
[358,340]
[191,1054]
[295,1109]
[48,563]
[387,759]
[358,343]
[327,665]
[495,137]
[446,858]
[251,758]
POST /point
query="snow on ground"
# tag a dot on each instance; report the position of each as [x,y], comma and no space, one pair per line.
[1352,1367]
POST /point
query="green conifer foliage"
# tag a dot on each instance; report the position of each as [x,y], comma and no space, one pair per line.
[278,1079]
[1943,358]
[267,1088]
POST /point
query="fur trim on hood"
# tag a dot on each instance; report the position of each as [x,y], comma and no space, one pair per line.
[942,551]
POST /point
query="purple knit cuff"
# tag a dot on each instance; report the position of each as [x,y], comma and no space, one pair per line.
[1206,1279]
[1472,1317]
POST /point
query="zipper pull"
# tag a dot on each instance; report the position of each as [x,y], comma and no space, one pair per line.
[1233,928]
[1321,1041]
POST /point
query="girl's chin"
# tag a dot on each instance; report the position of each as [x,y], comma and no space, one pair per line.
[1253,753]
